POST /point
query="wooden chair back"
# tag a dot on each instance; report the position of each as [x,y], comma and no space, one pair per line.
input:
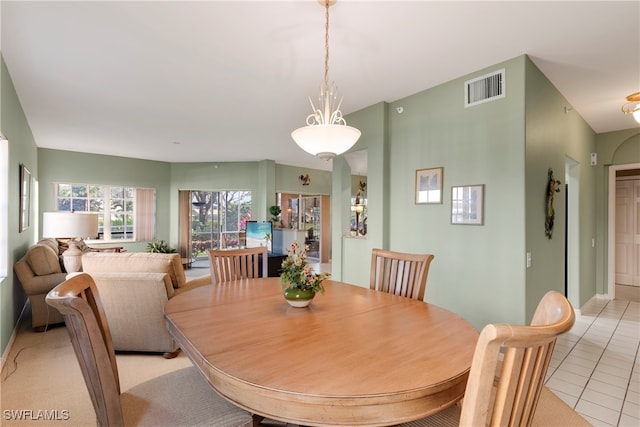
[234,264]
[506,392]
[400,273]
[77,299]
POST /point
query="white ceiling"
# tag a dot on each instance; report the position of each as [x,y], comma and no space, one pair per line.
[229,80]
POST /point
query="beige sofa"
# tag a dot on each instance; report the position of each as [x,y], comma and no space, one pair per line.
[39,271]
[134,288]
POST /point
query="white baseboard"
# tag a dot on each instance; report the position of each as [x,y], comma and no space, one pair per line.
[596,297]
[12,339]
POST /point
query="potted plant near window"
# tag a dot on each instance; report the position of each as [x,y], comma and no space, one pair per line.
[160,246]
[275,215]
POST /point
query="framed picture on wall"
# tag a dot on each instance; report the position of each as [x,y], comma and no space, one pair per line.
[467,204]
[25,198]
[429,186]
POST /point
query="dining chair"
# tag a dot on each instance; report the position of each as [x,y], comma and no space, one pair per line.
[505,385]
[181,397]
[400,273]
[233,264]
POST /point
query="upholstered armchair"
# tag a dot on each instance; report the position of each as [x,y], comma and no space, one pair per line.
[39,271]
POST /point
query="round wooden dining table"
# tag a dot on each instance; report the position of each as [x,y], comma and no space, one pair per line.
[355,356]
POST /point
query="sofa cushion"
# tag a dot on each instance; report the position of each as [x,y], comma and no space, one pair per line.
[103,262]
[43,260]
[52,243]
[177,270]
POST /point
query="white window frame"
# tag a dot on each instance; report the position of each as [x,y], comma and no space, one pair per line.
[106,198]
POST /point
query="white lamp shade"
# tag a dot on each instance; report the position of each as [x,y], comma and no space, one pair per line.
[69,225]
[326,141]
[636,115]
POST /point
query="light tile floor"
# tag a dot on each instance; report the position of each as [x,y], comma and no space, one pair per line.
[595,367]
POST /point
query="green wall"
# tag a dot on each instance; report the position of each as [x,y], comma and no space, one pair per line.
[70,166]
[478,271]
[286,181]
[350,254]
[22,150]
[479,145]
[554,137]
[507,145]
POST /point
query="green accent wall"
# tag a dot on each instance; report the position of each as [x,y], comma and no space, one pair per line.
[478,272]
[556,135]
[507,145]
[286,181]
[70,166]
[22,150]
[352,255]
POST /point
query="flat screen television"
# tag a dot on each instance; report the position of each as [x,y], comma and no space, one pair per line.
[257,232]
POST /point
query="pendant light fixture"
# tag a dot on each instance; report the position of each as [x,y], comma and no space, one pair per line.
[326,134]
[633,106]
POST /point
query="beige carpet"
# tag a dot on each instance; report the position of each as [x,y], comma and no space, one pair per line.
[42,382]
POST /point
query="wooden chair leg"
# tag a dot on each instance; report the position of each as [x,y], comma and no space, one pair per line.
[171,354]
[258,422]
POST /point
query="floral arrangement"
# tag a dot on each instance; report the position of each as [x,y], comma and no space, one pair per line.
[296,272]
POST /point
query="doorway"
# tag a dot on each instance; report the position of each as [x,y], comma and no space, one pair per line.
[572,231]
[212,220]
[617,255]
[627,274]
[309,216]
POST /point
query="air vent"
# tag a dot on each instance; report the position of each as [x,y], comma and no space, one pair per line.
[484,88]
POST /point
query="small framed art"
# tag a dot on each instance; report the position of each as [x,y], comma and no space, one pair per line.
[429,185]
[25,198]
[467,204]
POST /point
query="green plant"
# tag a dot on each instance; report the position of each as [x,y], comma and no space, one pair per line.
[296,272]
[160,246]
[275,211]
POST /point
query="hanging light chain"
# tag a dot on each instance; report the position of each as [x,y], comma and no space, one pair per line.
[326,134]
[326,44]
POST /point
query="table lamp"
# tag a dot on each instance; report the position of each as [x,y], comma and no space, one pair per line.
[70,225]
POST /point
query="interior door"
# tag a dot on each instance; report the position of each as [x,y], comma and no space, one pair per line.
[627,232]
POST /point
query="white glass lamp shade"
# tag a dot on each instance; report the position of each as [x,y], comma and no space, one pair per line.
[69,225]
[633,106]
[326,141]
